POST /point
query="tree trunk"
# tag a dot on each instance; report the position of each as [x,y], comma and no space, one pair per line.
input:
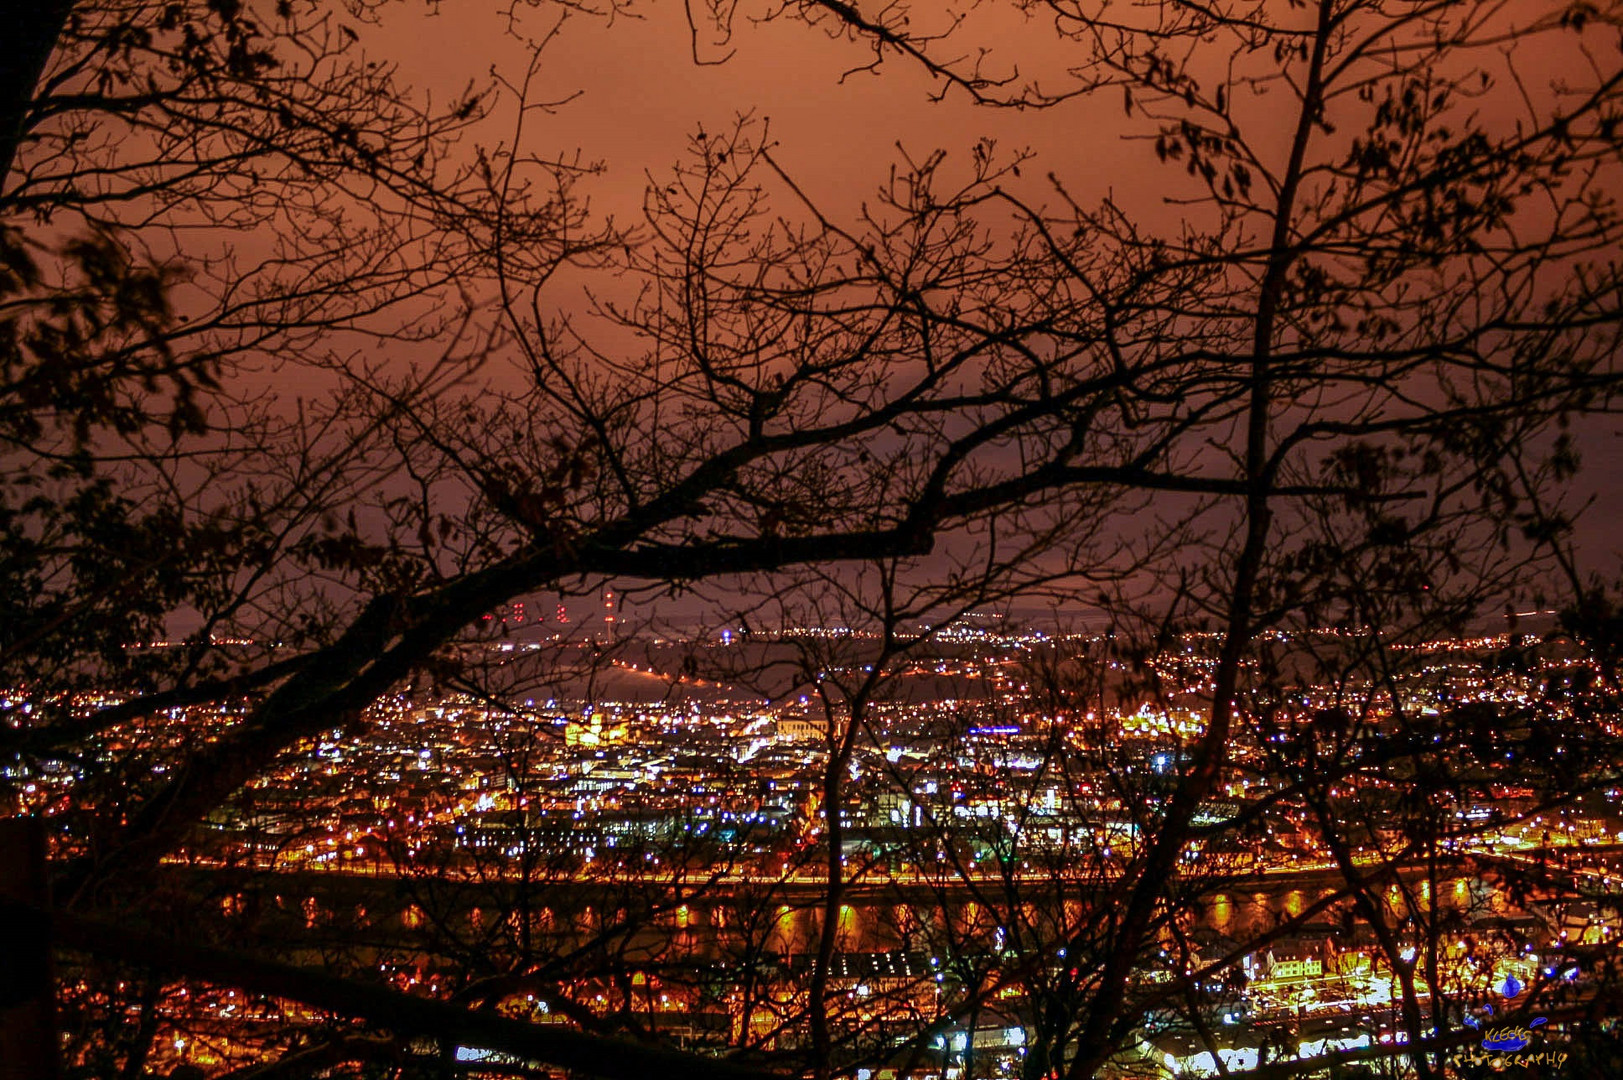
[28,1043]
[32,31]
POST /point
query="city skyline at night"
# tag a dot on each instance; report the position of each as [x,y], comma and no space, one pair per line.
[810,540]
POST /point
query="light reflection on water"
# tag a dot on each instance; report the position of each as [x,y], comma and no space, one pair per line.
[881,923]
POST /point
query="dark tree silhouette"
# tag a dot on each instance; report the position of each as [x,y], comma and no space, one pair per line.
[1332,394]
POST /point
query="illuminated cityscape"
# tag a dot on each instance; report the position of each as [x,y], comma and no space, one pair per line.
[659,847]
[811,540]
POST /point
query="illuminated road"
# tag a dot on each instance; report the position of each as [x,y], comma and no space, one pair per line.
[804,881]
